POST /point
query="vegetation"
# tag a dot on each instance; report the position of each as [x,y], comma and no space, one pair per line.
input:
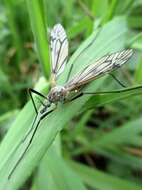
[93,142]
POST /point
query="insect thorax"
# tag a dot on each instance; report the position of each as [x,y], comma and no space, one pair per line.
[56,94]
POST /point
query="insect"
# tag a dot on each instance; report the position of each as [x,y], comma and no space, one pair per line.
[59,55]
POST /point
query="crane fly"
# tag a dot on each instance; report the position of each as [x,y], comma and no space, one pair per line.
[59,56]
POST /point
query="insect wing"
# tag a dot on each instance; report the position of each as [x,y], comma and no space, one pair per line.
[104,65]
[59,49]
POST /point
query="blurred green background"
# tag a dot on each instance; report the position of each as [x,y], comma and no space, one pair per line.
[99,148]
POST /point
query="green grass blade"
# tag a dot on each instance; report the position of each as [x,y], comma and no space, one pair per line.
[14,31]
[111,11]
[135,21]
[55,174]
[129,134]
[99,180]
[40,34]
[114,144]
[110,39]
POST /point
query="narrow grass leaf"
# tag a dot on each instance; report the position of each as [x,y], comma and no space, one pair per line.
[55,174]
[111,38]
[40,34]
[100,180]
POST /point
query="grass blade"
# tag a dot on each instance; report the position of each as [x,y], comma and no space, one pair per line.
[111,38]
[40,34]
[99,180]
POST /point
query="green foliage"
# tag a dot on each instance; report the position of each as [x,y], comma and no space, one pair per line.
[93,142]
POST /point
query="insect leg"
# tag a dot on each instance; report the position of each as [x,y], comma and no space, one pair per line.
[87,93]
[30,141]
[46,113]
[117,80]
[30,130]
[27,134]
[103,92]
[30,90]
[41,102]
[93,40]
[22,141]
[36,92]
[71,67]
[111,92]
[76,97]
[21,157]
[69,73]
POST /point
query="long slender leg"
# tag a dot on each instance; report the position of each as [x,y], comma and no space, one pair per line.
[30,130]
[69,73]
[93,40]
[46,113]
[22,141]
[71,67]
[117,80]
[21,157]
[30,141]
[30,90]
[76,97]
[86,93]
[27,134]
[36,92]
[101,93]
[41,102]
[30,93]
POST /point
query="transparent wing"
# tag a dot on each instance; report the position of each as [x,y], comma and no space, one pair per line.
[59,49]
[104,65]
